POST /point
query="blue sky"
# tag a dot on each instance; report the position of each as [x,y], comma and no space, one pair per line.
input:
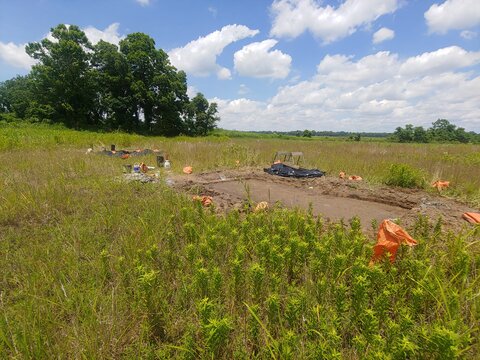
[354,65]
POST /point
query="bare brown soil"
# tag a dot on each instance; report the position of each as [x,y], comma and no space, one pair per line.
[329,197]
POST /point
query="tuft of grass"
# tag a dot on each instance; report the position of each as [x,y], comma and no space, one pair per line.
[404,175]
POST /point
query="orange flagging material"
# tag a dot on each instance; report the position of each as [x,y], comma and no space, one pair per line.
[440,185]
[205,200]
[355,177]
[471,217]
[390,236]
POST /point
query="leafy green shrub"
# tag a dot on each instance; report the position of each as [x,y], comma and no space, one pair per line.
[404,175]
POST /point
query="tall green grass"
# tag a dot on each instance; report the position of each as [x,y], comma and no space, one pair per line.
[93,267]
[457,163]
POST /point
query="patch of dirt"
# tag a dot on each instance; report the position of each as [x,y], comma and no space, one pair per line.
[329,197]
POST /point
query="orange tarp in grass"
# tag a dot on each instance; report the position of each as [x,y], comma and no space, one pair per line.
[440,185]
[471,217]
[355,177]
[205,200]
[390,236]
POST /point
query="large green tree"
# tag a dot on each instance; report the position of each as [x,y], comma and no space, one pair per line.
[404,135]
[114,102]
[201,117]
[15,96]
[159,90]
[441,131]
[62,80]
[131,87]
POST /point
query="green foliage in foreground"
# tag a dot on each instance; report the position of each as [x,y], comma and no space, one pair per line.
[96,268]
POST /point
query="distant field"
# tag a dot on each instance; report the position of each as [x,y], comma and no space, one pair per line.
[96,268]
[458,163]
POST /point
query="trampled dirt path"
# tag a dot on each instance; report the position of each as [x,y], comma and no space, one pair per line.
[330,197]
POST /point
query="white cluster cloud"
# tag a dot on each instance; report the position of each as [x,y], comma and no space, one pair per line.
[292,17]
[442,60]
[382,35]
[110,34]
[256,60]
[15,55]
[375,93]
[199,57]
[94,35]
[453,15]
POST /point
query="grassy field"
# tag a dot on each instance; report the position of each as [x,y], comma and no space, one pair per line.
[457,163]
[96,268]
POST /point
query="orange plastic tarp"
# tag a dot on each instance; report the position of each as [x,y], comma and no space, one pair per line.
[205,200]
[390,236]
[471,217]
[440,185]
[355,177]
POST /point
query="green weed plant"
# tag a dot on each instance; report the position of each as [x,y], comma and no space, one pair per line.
[405,176]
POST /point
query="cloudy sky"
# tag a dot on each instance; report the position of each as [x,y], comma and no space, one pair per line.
[354,65]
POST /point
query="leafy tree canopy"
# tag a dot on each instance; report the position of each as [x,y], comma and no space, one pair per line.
[441,131]
[131,87]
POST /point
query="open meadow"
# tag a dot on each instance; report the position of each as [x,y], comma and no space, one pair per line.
[93,267]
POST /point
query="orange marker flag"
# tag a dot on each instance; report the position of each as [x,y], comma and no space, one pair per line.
[355,177]
[440,185]
[390,236]
[205,200]
[471,217]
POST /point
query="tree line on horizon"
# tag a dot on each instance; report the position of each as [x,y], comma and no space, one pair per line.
[441,131]
[131,87]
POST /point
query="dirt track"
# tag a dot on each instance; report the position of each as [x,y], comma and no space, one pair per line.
[330,197]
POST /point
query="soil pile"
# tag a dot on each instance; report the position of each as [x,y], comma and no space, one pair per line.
[329,197]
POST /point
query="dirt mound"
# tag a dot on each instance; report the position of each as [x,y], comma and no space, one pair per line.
[329,197]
